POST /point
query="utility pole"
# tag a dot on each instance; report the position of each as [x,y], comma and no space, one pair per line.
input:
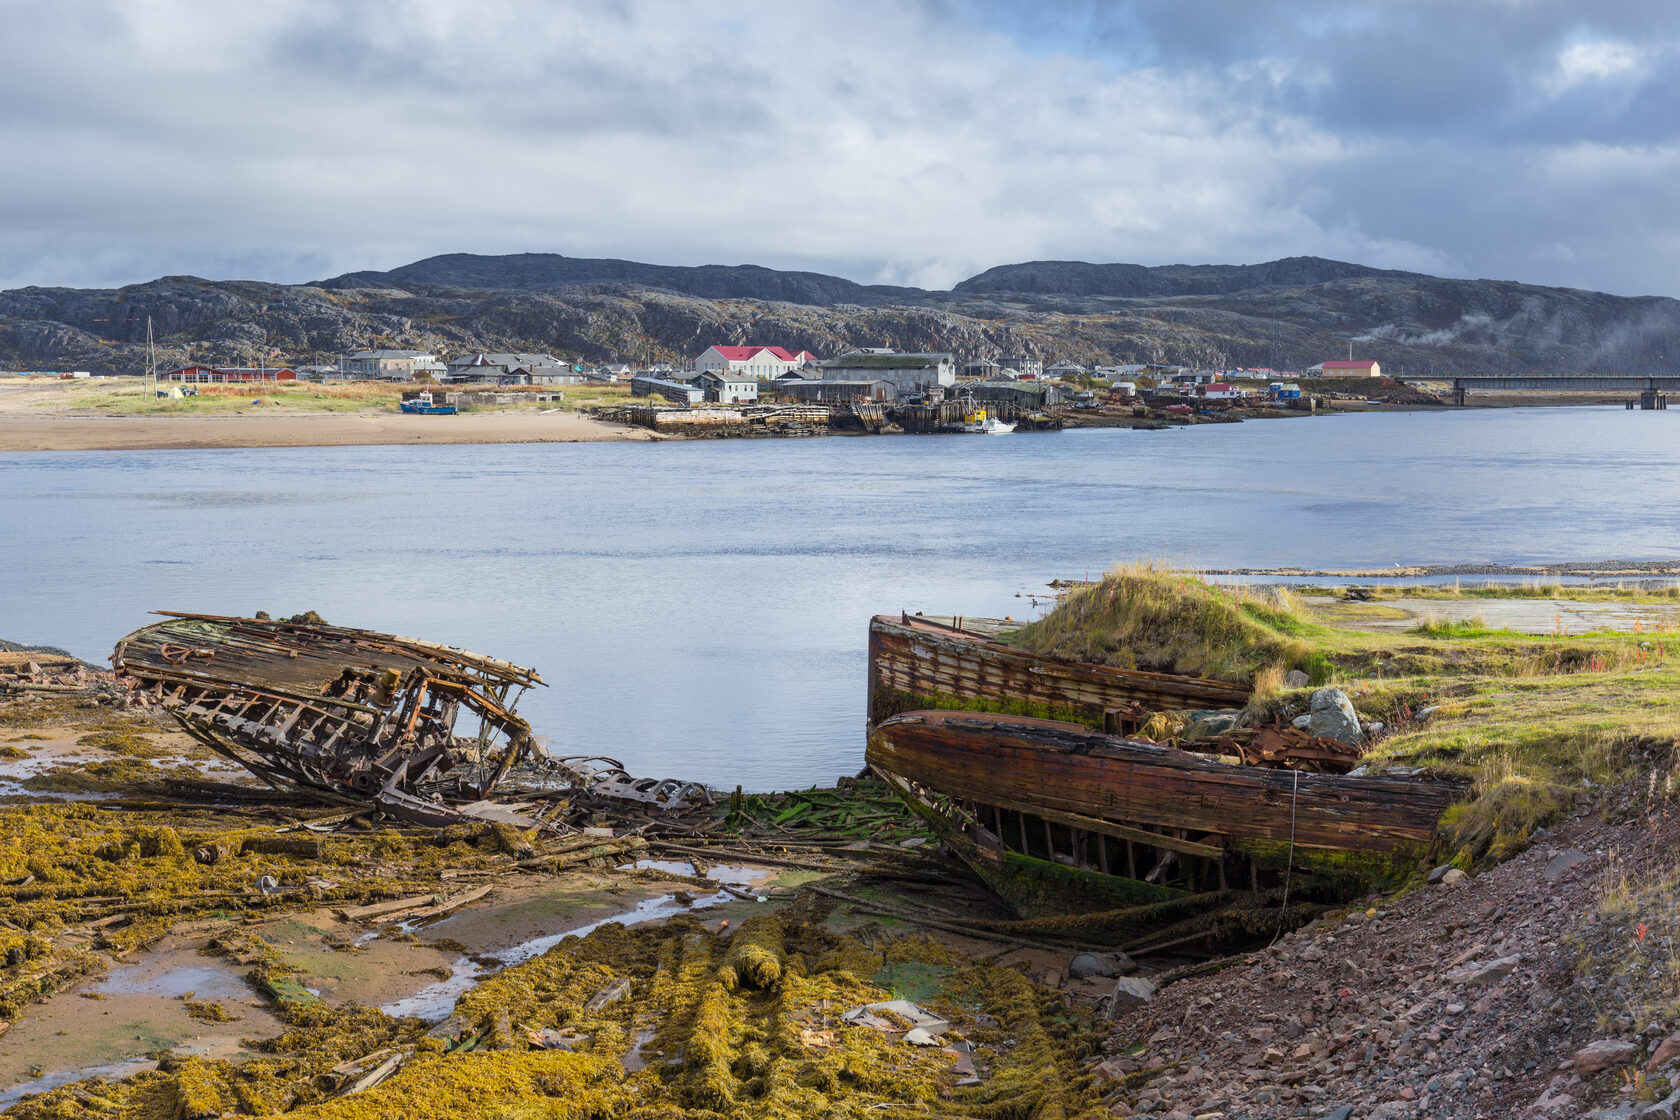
[151,357]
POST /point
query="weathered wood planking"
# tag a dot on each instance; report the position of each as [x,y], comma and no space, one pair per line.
[1064,767]
[923,658]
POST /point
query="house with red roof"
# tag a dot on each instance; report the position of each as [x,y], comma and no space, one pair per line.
[757,362]
[1346,369]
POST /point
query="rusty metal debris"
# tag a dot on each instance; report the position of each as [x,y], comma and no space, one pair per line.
[425,731]
[599,777]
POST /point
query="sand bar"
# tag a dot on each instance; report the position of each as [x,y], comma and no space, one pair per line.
[23,432]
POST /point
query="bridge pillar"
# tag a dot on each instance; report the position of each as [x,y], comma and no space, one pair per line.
[1458,393]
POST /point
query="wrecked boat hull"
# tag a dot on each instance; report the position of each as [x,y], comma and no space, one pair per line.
[1056,816]
[345,714]
[917,663]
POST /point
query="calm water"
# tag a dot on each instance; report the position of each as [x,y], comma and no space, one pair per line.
[700,609]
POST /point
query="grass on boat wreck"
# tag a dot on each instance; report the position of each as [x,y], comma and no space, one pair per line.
[1530,719]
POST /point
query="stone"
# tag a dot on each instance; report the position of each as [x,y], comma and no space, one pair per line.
[1665,1109]
[1210,725]
[1493,972]
[1667,1050]
[1423,714]
[1563,862]
[1130,992]
[1435,875]
[1595,1057]
[1341,1113]
[916,1036]
[1099,964]
[1296,679]
[1300,722]
[1390,1110]
[1453,875]
[1333,717]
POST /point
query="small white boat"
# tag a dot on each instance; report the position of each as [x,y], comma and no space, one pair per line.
[986,424]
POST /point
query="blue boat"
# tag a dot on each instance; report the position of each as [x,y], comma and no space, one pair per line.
[424,405]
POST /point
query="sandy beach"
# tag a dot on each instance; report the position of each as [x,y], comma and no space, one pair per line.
[128,433]
[32,418]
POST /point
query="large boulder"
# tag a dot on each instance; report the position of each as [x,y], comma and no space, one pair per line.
[1332,716]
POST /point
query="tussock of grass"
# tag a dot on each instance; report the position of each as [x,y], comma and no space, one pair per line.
[1142,617]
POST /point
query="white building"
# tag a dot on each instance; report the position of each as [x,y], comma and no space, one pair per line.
[388,365]
[909,373]
[759,362]
[728,388]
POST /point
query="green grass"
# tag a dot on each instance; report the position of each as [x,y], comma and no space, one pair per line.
[1529,720]
[1141,617]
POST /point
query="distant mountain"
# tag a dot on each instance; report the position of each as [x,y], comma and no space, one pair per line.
[1284,314]
[1136,281]
[545,271]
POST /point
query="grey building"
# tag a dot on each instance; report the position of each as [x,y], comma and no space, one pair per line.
[794,389]
[674,391]
[388,365]
[909,373]
[1029,394]
[728,386]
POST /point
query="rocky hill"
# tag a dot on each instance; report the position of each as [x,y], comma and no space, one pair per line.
[1285,314]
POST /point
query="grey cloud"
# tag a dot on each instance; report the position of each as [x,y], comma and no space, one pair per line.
[297,138]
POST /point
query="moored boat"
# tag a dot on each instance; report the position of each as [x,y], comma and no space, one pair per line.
[424,405]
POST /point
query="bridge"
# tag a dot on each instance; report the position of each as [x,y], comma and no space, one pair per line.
[1652,388]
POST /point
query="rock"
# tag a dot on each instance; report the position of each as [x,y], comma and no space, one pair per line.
[1665,1109]
[1615,1112]
[1453,875]
[1333,717]
[1300,722]
[1130,992]
[1210,725]
[1390,1110]
[1100,964]
[916,1036]
[1595,1057]
[1341,1113]
[1493,972]
[1423,714]
[1563,862]
[1373,726]
[1436,875]
[1667,1050]
[1296,679]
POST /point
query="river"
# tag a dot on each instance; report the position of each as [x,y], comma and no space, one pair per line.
[699,609]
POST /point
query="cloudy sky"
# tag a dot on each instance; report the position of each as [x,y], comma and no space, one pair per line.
[898,141]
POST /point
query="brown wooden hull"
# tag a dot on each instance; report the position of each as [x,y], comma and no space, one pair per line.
[914,662]
[1034,765]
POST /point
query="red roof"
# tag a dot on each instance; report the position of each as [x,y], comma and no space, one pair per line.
[748,353]
[1349,365]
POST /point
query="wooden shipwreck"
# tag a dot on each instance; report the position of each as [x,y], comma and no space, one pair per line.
[342,713]
[1063,813]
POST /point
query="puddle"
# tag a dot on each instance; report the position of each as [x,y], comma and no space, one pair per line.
[437,1000]
[112,1072]
[135,1010]
[206,982]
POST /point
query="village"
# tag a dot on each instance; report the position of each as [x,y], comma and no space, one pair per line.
[747,390]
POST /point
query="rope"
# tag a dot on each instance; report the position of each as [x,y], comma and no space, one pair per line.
[1289,870]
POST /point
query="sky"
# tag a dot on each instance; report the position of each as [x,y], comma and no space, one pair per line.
[888,141]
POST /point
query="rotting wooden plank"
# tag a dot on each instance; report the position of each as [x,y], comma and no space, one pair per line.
[1067,768]
[1113,828]
[923,658]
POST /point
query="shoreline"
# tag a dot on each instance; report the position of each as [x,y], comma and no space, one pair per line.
[90,431]
[178,433]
